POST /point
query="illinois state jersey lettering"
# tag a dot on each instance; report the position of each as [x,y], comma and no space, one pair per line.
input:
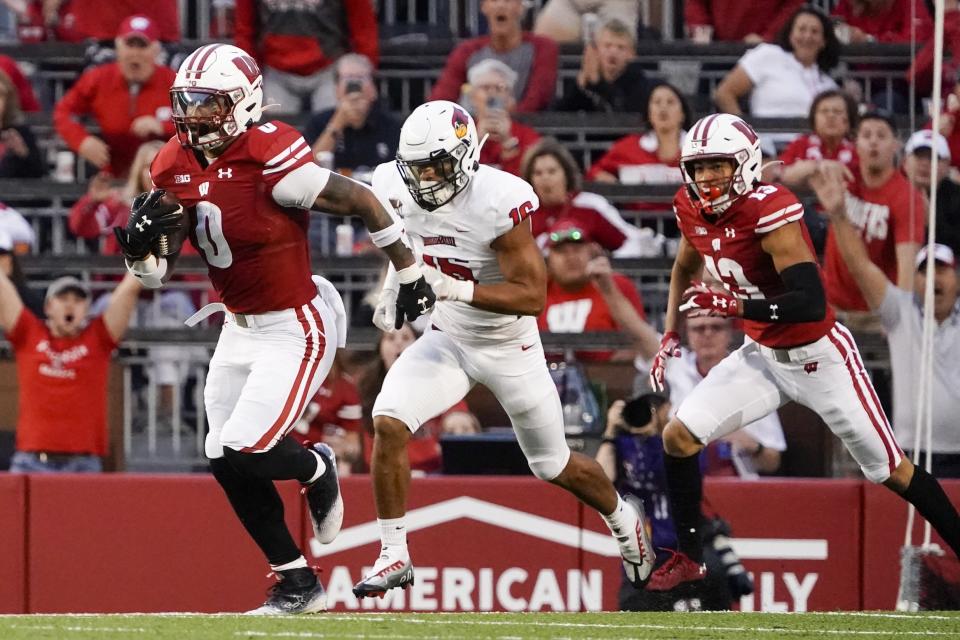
[256,251]
[456,237]
[732,253]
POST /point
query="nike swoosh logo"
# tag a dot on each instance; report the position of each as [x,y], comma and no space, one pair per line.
[524,347]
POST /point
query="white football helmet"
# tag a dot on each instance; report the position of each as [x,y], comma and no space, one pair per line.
[439,152]
[217,95]
[725,136]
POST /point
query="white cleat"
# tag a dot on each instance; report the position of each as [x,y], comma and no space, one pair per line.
[324,499]
[392,569]
[636,550]
[297,591]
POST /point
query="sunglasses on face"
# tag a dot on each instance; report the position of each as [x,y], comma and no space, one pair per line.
[574,235]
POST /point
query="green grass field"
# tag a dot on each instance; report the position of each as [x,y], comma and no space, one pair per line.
[499,626]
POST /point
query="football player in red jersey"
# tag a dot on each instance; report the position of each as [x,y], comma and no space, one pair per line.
[247,189]
[751,238]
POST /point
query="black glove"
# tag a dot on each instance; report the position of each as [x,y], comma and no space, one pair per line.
[149,219]
[413,300]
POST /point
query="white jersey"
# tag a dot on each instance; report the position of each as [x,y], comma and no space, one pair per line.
[456,238]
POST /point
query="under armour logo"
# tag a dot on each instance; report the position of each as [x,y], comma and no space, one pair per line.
[225,173]
[144,223]
[810,367]
[719,302]
[424,304]
[773,311]
[730,233]
[204,188]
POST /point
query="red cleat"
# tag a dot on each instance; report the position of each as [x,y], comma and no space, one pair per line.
[675,571]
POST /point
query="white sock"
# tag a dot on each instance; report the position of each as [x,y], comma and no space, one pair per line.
[622,518]
[321,467]
[393,532]
[299,563]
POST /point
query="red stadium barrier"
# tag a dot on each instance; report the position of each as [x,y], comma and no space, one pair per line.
[13,510]
[116,543]
[884,523]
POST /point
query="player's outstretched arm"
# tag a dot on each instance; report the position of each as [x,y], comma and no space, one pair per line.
[117,315]
[10,303]
[871,280]
[345,197]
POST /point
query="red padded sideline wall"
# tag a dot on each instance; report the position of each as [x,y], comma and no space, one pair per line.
[13,542]
[130,542]
[884,523]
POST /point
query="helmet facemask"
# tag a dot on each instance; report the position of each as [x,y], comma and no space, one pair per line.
[204,118]
[715,196]
[434,181]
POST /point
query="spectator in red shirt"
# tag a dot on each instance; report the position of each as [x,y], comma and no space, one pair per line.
[296,44]
[490,101]
[19,154]
[129,99]
[585,294]
[28,99]
[532,57]
[652,157]
[833,116]
[555,177]
[424,446]
[77,20]
[750,22]
[887,211]
[334,416]
[884,20]
[62,366]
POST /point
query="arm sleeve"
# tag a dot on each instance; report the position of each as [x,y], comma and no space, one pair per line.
[362,24]
[804,301]
[894,300]
[75,103]
[299,188]
[542,81]
[757,62]
[245,27]
[517,203]
[454,73]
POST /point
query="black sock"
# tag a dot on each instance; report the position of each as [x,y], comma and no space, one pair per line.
[287,460]
[685,492]
[260,509]
[926,494]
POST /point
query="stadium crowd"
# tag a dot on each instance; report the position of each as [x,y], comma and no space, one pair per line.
[601,213]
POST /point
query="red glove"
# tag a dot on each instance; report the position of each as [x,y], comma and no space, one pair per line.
[669,348]
[700,300]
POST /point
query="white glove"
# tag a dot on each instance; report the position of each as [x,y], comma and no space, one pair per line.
[448,288]
[385,313]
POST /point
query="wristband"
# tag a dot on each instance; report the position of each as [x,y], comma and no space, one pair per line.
[387,236]
[460,291]
[409,274]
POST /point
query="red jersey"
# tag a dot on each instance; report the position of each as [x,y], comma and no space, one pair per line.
[585,310]
[591,212]
[731,250]
[883,216]
[492,151]
[810,147]
[633,159]
[892,24]
[339,406]
[256,251]
[62,387]
[103,93]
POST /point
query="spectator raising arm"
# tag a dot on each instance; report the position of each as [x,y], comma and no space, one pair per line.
[10,303]
[123,300]
[829,185]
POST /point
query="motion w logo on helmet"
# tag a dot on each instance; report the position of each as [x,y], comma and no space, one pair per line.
[460,122]
[248,67]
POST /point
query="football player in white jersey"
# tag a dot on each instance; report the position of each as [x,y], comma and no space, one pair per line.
[468,226]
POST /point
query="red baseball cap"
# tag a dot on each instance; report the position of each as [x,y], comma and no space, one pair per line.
[566,230]
[139,26]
